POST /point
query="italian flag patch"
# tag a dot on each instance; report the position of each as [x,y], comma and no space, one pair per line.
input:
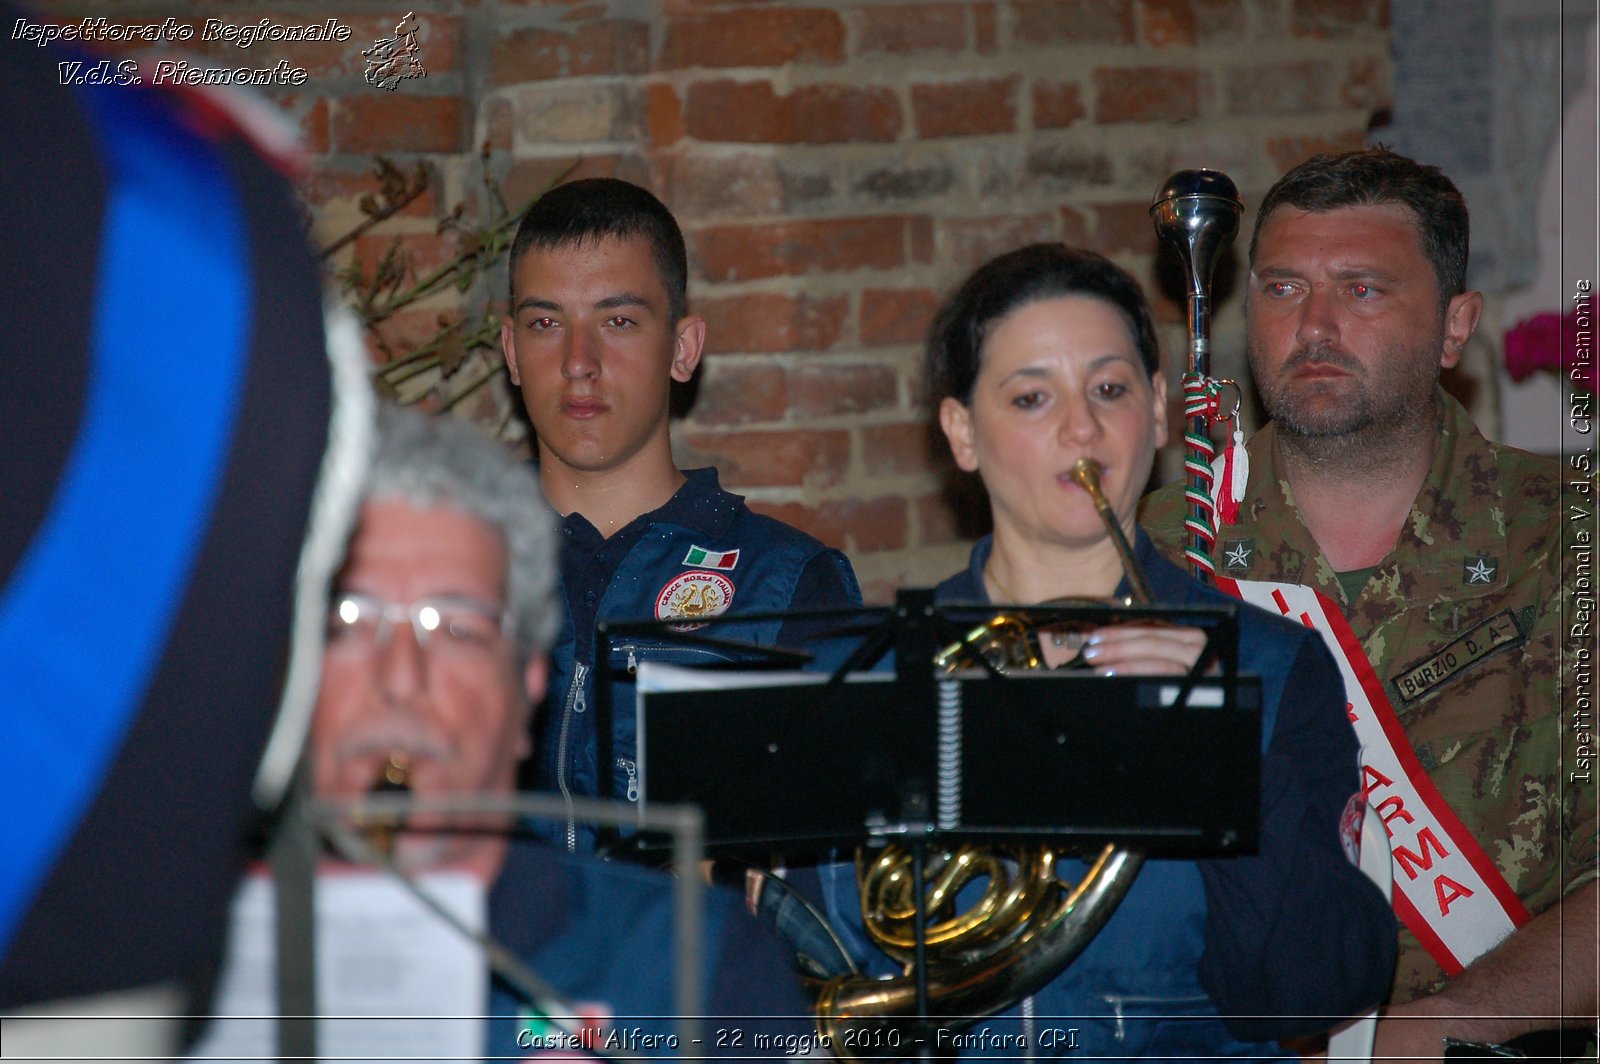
[701,558]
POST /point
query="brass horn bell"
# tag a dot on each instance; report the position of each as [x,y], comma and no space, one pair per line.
[1026,926]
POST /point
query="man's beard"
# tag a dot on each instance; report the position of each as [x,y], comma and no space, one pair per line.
[1374,416]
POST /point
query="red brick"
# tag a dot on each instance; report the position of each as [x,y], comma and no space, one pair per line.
[714,185]
[769,323]
[935,522]
[602,47]
[500,126]
[770,459]
[1145,94]
[528,178]
[737,394]
[899,29]
[1166,22]
[812,114]
[1123,227]
[753,37]
[1194,21]
[438,45]
[880,590]
[438,40]
[824,389]
[663,115]
[693,7]
[907,181]
[965,108]
[806,185]
[895,450]
[310,116]
[581,110]
[921,238]
[1057,104]
[407,330]
[1366,84]
[1278,88]
[1338,18]
[1049,23]
[1185,23]
[738,253]
[330,184]
[1289,152]
[820,523]
[1066,166]
[423,252]
[896,315]
[872,524]
[985,34]
[1074,226]
[394,122]
[969,242]
[855,525]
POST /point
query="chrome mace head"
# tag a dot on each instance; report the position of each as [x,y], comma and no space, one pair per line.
[1197,212]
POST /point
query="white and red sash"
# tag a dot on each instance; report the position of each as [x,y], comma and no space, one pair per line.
[1447,890]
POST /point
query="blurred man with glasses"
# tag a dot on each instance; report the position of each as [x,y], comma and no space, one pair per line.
[437,632]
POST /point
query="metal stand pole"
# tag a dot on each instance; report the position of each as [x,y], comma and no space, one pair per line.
[293,856]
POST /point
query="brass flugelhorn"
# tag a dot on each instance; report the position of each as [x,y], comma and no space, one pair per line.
[1028,924]
[393,778]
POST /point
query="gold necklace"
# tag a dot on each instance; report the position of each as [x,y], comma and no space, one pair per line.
[1068,639]
[1000,585]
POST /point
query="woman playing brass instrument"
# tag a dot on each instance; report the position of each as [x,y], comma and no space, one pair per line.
[1043,357]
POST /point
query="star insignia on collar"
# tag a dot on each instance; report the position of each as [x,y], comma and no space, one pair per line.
[1238,553]
[1479,570]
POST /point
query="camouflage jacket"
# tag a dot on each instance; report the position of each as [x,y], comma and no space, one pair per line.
[1463,623]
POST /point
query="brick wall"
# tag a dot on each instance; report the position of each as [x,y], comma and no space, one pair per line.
[837,165]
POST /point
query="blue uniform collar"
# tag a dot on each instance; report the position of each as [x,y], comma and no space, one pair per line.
[1167,582]
[700,506]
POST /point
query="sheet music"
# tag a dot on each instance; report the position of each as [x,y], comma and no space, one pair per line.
[394,981]
[655,677]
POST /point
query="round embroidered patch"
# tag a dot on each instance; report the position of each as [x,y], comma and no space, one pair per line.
[692,595]
[1355,811]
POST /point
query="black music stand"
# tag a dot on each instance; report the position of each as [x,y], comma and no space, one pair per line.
[1169,765]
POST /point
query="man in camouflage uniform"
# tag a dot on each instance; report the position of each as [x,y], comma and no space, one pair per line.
[1443,550]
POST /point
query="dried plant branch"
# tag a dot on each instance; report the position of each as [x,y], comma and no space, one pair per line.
[392,284]
[396,195]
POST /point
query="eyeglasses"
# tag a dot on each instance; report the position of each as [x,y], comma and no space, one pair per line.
[444,624]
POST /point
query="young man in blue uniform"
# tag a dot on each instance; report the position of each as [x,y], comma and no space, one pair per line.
[599,329]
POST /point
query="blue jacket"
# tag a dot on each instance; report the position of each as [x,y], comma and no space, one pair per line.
[601,933]
[1270,942]
[704,550]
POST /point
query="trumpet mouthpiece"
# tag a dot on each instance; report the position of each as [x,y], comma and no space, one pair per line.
[1086,471]
[393,778]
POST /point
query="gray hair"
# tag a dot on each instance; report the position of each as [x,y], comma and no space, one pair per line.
[441,461]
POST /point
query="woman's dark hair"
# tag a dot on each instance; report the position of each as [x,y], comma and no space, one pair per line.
[1015,279]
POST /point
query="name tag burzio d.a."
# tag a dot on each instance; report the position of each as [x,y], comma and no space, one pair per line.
[1504,629]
